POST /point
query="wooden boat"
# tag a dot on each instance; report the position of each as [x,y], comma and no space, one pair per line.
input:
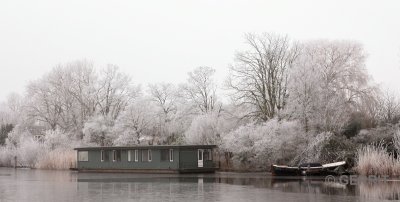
[336,168]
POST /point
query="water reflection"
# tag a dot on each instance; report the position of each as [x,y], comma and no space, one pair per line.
[46,185]
[381,190]
[198,185]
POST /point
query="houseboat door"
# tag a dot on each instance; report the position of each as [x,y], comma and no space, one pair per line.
[200,155]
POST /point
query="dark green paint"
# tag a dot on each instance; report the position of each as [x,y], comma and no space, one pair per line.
[185,158]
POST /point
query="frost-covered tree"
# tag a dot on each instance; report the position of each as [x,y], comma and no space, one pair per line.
[98,131]
[166,100]
[79,82]
[54,139]
[259,75]
[303,90]
[205,129]
[328,83]
[165,97]
[114,92]
[136,125]
[200,89]
[64,97]
[44,104]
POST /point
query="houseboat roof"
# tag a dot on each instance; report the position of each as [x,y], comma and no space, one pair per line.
[150,147]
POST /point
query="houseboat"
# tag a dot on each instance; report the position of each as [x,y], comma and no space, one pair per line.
[159,159]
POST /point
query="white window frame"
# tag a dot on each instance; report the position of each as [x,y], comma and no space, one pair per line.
[136,155]
[102,155]
[171,155]
[149,156]
[114,155]
[79,156]
[129,155]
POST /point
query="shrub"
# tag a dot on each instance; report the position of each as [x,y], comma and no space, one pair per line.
[260,145]
[29,152]
[312,150]
[6,156]
[338,148]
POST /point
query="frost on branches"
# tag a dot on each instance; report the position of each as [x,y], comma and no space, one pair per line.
[259,145]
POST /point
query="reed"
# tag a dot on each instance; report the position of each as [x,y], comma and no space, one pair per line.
[375,160]
[57,159]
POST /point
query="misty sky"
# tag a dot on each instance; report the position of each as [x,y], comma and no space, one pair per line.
[157,41]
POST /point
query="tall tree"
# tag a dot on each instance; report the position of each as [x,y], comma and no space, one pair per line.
[328,83]
[259,75]
[164,95]
[114,92]
[200,89]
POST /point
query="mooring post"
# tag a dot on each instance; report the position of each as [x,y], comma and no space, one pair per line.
[15,162]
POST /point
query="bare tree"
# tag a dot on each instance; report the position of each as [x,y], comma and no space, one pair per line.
[200,89]
[44,105]
[114,92]
[259,76]
[164,95]
[389,107]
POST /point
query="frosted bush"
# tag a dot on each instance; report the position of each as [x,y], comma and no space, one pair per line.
[126,138]
[136,124]
[16,136]
[204,129]
[97,130]
[57,139]
[260,145]
[29,152]
[6,156]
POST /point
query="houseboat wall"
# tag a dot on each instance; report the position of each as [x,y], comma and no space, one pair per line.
[94,160]
[186,158]
[189,160]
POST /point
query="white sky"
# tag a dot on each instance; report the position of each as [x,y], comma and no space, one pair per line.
[162,40]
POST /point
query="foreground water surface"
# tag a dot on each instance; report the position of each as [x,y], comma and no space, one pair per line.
[50,185]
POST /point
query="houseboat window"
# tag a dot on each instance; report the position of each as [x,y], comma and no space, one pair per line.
[200,153]
[129,155]
[116,155]
[171,155]
[146,155]
[106,155]
[83,156]
[102,155]
[164,155]
[167,155]
[150,156]
[208,154]
[136,155]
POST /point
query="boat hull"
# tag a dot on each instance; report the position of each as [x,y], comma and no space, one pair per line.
[309,169]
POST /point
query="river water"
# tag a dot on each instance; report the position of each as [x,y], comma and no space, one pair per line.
[50,185]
